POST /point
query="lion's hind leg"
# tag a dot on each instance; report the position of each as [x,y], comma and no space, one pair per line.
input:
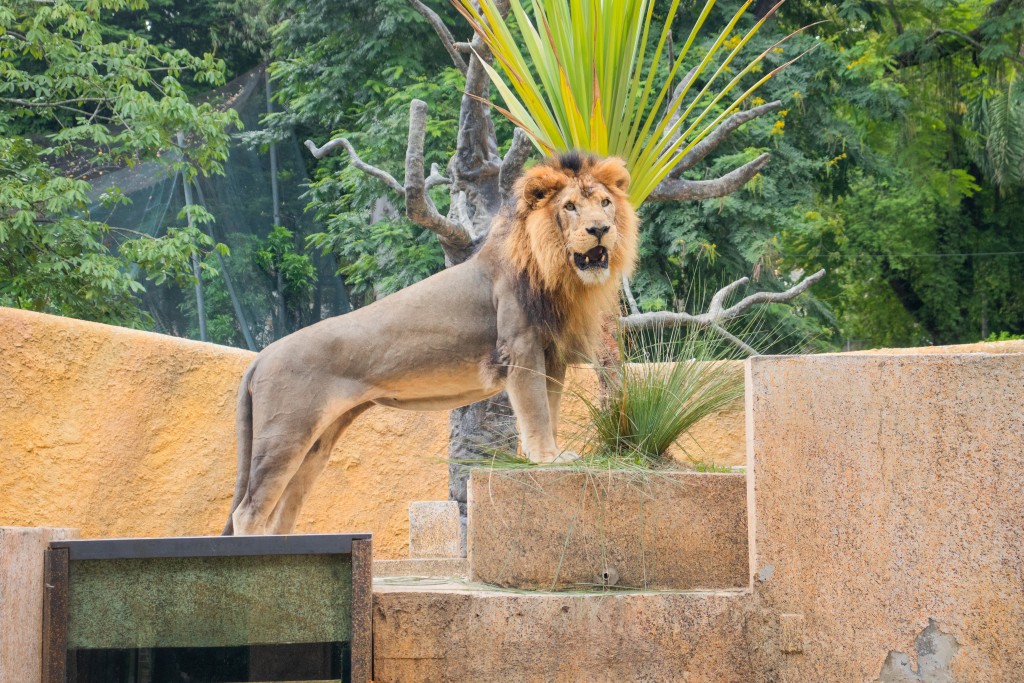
[285,428]
[286,512]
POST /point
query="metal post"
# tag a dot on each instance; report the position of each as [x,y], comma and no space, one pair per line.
[276,195]
[235,303]
[196,271]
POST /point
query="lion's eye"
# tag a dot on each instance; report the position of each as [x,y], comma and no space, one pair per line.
[569,206]
[606,202]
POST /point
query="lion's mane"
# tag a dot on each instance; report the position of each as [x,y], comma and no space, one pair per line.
[532,246]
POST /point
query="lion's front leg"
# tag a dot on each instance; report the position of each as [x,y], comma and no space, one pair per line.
[528,391]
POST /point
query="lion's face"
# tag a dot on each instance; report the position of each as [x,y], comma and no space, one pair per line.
[585,213]
[578,219]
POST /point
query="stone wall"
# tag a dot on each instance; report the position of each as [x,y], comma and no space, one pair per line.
[123,433]
[887,517]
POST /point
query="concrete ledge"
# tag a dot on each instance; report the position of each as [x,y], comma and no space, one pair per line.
[449,634]
[440,567]
[553,528]
[434,529]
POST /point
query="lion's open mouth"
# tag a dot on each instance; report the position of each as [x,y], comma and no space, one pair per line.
[595,258]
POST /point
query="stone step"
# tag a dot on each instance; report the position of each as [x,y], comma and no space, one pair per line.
[562,528]
[454,632]
[435,567]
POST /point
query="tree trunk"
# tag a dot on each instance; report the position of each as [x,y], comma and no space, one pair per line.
[475,431]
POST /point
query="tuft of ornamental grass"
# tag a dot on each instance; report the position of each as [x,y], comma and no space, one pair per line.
[669,382]
[673,383]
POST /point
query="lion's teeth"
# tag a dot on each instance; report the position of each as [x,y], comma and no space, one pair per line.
[587,259]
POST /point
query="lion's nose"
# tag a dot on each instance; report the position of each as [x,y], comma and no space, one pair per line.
[598,231]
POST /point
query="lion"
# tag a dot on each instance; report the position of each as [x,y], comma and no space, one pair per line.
[531,299]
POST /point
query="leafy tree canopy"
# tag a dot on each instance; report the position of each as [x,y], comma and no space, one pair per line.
[73,105]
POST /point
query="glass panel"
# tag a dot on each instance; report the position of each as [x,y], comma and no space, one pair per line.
[209,602]
[319,662]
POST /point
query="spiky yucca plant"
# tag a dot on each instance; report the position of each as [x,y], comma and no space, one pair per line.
[579,80]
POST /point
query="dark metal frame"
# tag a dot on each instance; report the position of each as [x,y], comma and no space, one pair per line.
[56,576]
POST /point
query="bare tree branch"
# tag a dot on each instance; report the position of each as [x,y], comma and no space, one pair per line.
[771,297]
[447,39]
[717,136]
[729,336]
[436,178]
[717,313]
[677,94]
[680,189]
[418,206]
[384,176]
[476,154]
[512,164]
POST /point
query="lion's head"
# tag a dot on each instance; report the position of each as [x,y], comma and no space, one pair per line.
[575,222]
[572,236]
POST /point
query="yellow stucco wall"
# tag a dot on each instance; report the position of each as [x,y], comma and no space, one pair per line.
[126,433]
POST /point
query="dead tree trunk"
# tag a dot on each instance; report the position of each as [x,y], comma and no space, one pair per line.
[479,182]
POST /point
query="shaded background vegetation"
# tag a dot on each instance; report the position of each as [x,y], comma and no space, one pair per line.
[898,165]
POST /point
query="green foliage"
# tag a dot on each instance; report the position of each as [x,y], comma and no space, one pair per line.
[1003,336]
[236,31]
[379,257]
[582,76]
[350,69]
[335,58]
[277,256]
[885,172]
[913,215]
[675,383]
[73,103]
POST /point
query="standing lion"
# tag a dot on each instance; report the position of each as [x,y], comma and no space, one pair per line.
[533,297]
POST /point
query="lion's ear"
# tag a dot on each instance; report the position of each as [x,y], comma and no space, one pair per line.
[539,183]
[611,172]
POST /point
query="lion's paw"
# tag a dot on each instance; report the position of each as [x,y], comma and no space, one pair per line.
[561,458]
[566,457]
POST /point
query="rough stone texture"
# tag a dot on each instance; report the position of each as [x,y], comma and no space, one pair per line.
[434,529]
[1010,346]
[449,634]
[554,528]
[21,599]
[441,568]
[887,508]
[127,433]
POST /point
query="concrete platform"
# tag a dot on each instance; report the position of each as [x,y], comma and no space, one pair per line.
[443,632]
[560,528]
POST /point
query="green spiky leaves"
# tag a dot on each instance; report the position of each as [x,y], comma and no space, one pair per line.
[582,74]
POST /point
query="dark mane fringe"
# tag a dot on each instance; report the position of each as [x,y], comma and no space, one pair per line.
[539,306]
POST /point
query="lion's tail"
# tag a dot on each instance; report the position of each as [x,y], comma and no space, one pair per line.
[243,431]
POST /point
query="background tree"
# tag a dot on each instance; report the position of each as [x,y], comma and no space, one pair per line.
[915,207]
[67,93]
